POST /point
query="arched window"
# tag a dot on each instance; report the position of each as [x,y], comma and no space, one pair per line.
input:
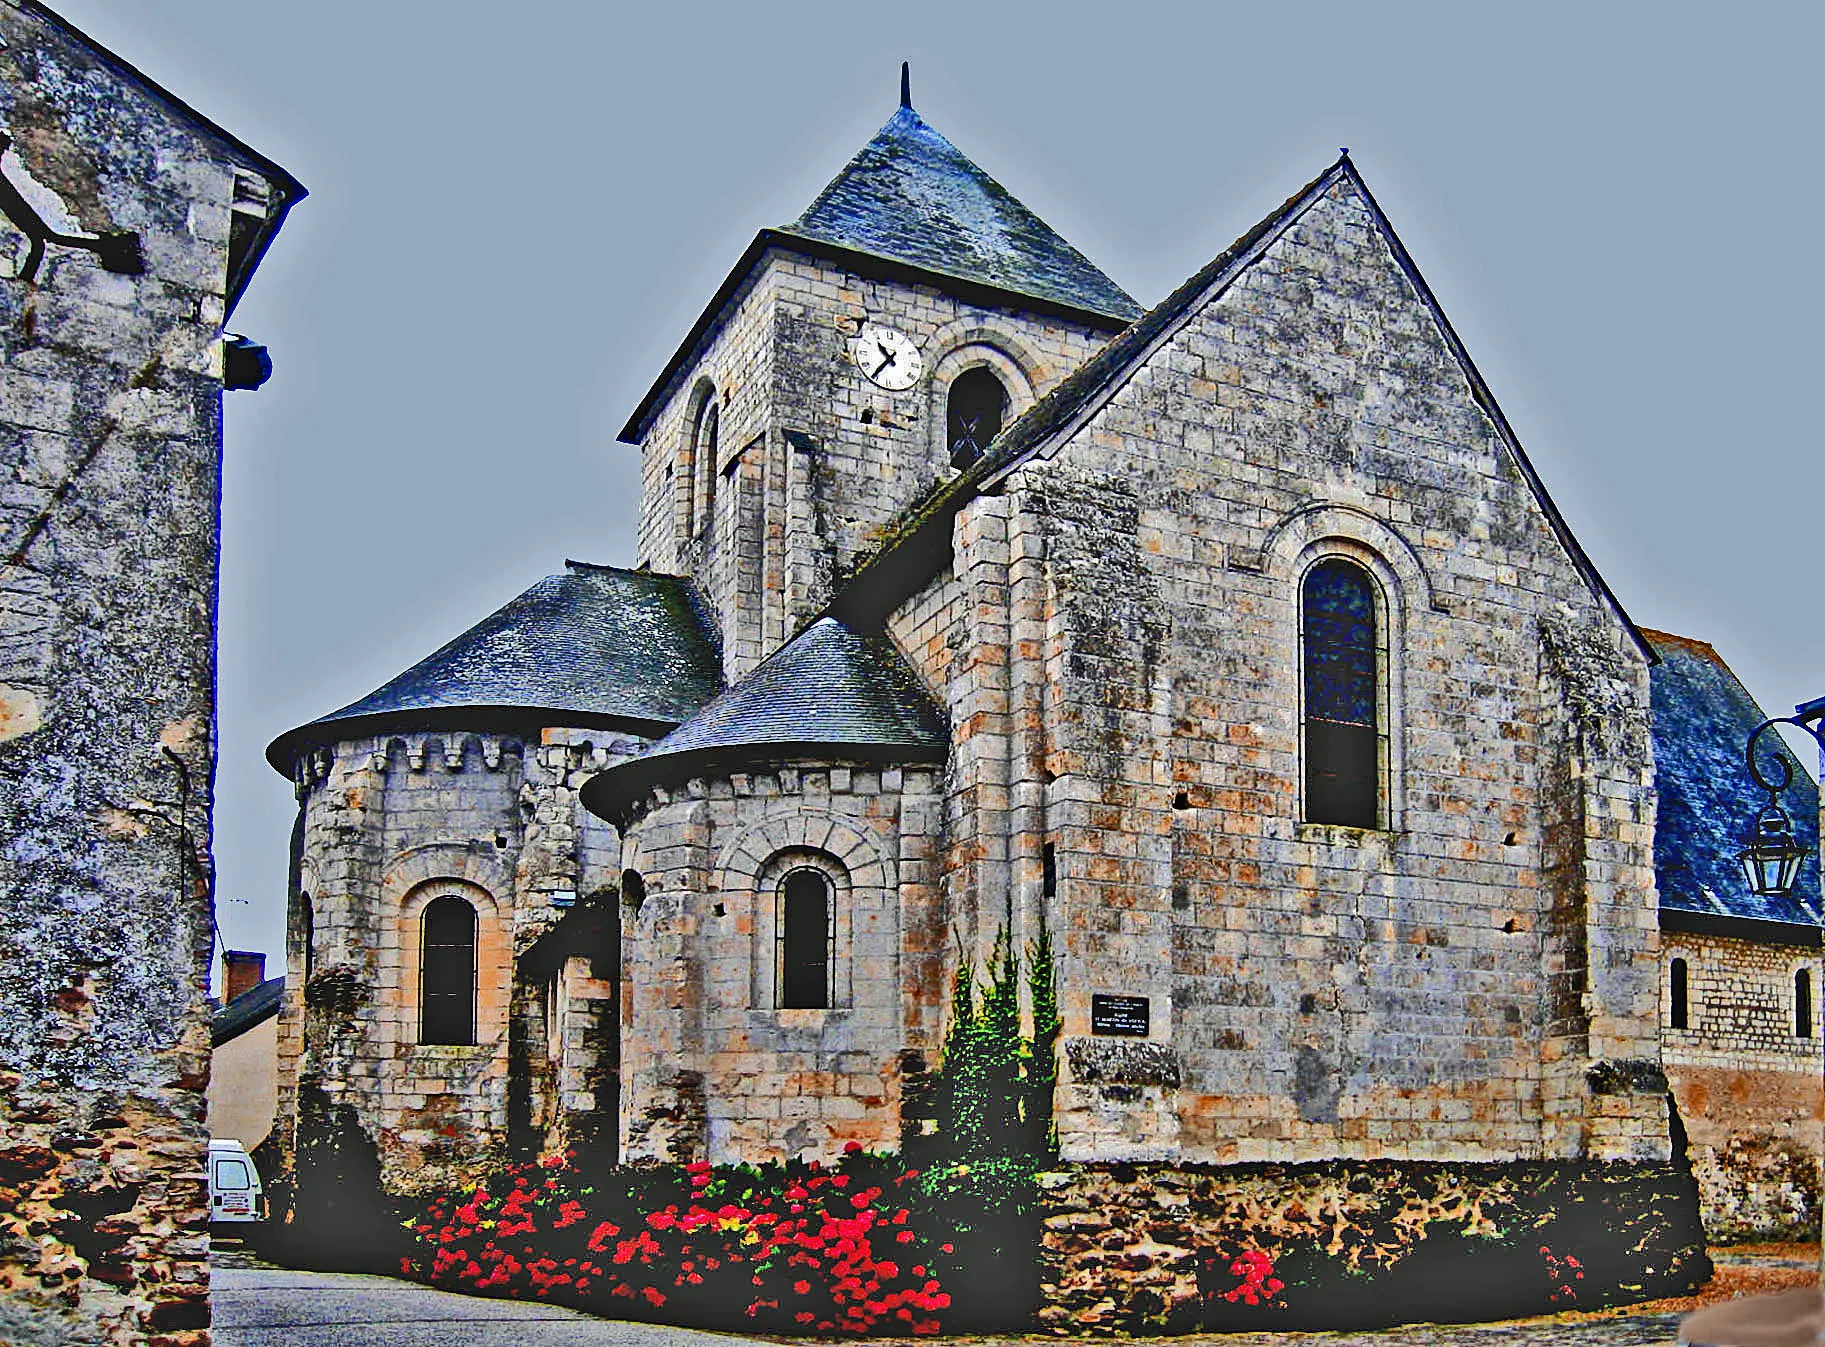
[1802,1004]
[973,414]
[805,939]
[307,935]
[1677,995]
[1344,656]
[703,453]
[447,972]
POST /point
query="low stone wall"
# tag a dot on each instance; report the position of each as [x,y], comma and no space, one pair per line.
[1150,1248]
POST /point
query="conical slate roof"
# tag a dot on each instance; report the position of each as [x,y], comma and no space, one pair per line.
[1702,719]
[828,692]
[596,645]
[911,196]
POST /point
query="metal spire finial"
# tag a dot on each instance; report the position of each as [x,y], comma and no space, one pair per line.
[906,85]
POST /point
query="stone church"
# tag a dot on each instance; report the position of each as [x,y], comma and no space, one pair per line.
[1235,642]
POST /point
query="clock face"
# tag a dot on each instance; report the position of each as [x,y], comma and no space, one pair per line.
[887,357]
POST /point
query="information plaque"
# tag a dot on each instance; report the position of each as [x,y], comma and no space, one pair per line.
[1124,1015]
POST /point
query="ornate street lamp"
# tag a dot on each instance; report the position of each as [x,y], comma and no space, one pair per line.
[1771,856]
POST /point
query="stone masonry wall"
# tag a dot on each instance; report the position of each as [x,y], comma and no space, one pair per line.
[1747,1084]
[110,437]
[714,1069]
[792,511]
[1314,991]
[390,824]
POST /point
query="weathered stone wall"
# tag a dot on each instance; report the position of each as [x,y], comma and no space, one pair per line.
[714,1068]
[390,824]
[110,431]
[1118,647]
[791,512]
[1747,1085]
[1138,1249]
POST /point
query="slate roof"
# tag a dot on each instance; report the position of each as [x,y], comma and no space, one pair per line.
[911,205]
[596,645]
[252,1007]
[1702,717]
[921,535]
[912,196]
[830,691]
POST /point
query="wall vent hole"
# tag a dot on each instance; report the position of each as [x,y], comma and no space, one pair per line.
[1181,801]
[1508,927]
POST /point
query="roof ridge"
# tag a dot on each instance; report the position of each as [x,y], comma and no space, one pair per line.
[1103,371]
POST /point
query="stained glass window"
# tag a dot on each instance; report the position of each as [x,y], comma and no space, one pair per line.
[447,973]
[1342,702]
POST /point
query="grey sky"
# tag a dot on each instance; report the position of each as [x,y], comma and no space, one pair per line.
[518,209]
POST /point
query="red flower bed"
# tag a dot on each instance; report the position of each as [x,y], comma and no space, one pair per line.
[795,1249]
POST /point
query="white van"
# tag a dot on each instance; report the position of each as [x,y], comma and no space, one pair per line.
[234,1184]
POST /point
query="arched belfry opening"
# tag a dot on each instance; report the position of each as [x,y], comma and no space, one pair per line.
[976,406]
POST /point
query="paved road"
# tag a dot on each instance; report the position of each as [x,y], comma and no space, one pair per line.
[258,1305]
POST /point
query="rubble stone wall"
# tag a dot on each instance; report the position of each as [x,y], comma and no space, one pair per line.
[110,442]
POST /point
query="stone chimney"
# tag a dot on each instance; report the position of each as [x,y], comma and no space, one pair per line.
[242,971]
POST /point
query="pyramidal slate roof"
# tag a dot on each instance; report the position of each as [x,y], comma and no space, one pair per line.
[1702,718]
[912,205]
[912,196]
[596,645]
[830,691]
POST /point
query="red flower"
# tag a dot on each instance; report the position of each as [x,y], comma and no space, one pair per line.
[852,1148]
[904,1237]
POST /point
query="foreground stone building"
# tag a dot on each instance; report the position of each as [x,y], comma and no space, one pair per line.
[1236,643]
[129,227]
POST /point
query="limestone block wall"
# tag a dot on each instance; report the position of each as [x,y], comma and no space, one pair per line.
[389,825]
[1119,642]
[713,1068]
[1747,1083]
[110,440]
[793,511]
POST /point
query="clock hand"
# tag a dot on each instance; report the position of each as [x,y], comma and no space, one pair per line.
[885,363]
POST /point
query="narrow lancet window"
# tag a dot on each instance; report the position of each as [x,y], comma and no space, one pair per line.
[806,940]
[704,452]
[1343,731]
[447,973]
[1677,994]
[1802,1004]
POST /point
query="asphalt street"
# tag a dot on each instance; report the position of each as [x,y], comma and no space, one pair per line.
[258,1305]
